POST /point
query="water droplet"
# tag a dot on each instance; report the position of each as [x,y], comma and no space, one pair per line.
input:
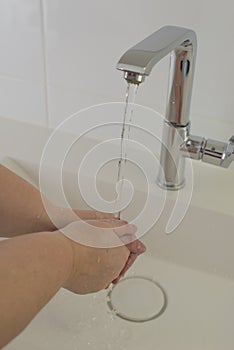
[125,333]
[112,315]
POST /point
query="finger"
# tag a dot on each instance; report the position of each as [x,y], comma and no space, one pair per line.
[93,215]
[114,222]
[136,247]
[100,215]
[124,230]
[134,253]
[129,263]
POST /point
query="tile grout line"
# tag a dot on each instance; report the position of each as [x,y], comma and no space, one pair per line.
[42,20]
[19,78]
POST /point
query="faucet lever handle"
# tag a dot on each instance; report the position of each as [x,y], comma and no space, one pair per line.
[209,151]
[228,156]
[231,140]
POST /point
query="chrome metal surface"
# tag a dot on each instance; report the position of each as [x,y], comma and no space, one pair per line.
[209,151]
[138,61]
[213,152]
[182,44]
[193,147]
[134,78]
[228,156]
[171,173]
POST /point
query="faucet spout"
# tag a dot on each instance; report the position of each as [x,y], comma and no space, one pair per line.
[142,57]
[138,62]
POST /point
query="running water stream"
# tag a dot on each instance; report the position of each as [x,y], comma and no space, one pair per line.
[125,135]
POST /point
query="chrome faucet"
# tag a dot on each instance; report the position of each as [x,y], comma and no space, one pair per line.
[137,63]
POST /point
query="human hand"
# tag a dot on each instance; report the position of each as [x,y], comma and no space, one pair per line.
[135,248]
[95,268]
[60,217]
[93,215]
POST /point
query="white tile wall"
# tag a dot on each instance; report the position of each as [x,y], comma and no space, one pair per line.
[82,50]
[83,43]
[59,56]
[22,80]
[22,100]
[66,101]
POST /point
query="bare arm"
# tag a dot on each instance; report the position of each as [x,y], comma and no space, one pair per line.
[22,210]
[34,267]
[21,207]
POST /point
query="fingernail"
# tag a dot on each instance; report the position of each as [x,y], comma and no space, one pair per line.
[127,238]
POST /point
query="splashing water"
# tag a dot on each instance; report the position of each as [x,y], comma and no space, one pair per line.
[125,135]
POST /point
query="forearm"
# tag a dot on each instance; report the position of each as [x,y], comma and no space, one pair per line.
[22,209]
[33,268]
[21,206]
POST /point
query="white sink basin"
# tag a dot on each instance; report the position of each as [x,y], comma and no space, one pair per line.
[199,315]
[194,265]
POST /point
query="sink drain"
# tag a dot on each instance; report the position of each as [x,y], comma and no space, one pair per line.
[137,299]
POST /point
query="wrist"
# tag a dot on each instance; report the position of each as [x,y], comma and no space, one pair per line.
[55,217]
[65,250]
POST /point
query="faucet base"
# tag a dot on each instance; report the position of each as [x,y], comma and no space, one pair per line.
[170,186]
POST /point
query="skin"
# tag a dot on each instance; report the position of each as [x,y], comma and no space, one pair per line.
[38,259]
[22,210]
